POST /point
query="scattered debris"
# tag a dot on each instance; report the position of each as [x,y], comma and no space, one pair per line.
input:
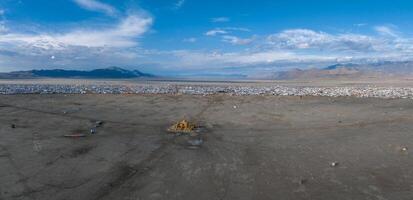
[277,90]
[182,126]
[199,129]
[98,124]
[13,126]
[303,181]
[334,164]
[76,135]
[196,142]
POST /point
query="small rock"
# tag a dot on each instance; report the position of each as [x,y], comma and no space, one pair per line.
[196,142]
[193,134]
[334,164]
[404,149]
[92,131]
[13,126]
[303,181]
[235,107]
[98,123]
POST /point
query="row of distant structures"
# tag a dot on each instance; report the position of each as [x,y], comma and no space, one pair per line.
[277,90]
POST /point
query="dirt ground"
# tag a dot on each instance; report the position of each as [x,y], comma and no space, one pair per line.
[250,147]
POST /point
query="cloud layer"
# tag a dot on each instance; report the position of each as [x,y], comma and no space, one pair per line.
[96,6]
[309,39]
[123,34]
[237,40]
[385,42]
[119,42]
[80,46]
[300,48]
[226,35]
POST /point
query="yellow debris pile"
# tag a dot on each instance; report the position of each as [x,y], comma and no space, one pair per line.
[182,126]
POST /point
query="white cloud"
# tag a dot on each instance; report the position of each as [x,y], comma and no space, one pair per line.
[360,24]
[386,44]
[123,34]
[217,60]
[192,40]
[95,5]
[179,4]
[118,44]
[80,47]
[386,31]
[215,32]
[3,27]
[236,40]
[236,29]
[302,48]
[309,39]
[225,30]
[220,19]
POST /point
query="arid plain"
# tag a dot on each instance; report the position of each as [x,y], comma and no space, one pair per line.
[248,147]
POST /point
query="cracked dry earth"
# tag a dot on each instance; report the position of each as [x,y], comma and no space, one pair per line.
[250,147]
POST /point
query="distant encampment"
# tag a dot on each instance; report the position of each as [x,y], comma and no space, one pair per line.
[111,72]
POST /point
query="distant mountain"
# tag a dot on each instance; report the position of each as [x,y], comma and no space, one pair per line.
[213,76]
[111,72]
[349,70]
[328,72]
[337,66]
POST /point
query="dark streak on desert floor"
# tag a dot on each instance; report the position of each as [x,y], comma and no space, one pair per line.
[254,147]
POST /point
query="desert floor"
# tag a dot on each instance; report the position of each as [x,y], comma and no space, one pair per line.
[247,147]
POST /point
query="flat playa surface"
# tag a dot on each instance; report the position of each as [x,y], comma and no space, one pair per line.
[253,147]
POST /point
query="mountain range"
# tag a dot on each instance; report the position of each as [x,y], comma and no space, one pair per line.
[349,70]
[111,72]
[340,70]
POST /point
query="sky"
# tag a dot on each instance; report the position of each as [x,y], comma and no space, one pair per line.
[191,37]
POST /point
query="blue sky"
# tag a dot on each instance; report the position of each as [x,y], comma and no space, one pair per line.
[187,37]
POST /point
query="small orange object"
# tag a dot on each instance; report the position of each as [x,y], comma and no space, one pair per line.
[182,126]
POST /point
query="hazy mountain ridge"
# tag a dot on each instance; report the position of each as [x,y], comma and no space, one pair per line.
[349,70]
[111,72]
[340,70]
